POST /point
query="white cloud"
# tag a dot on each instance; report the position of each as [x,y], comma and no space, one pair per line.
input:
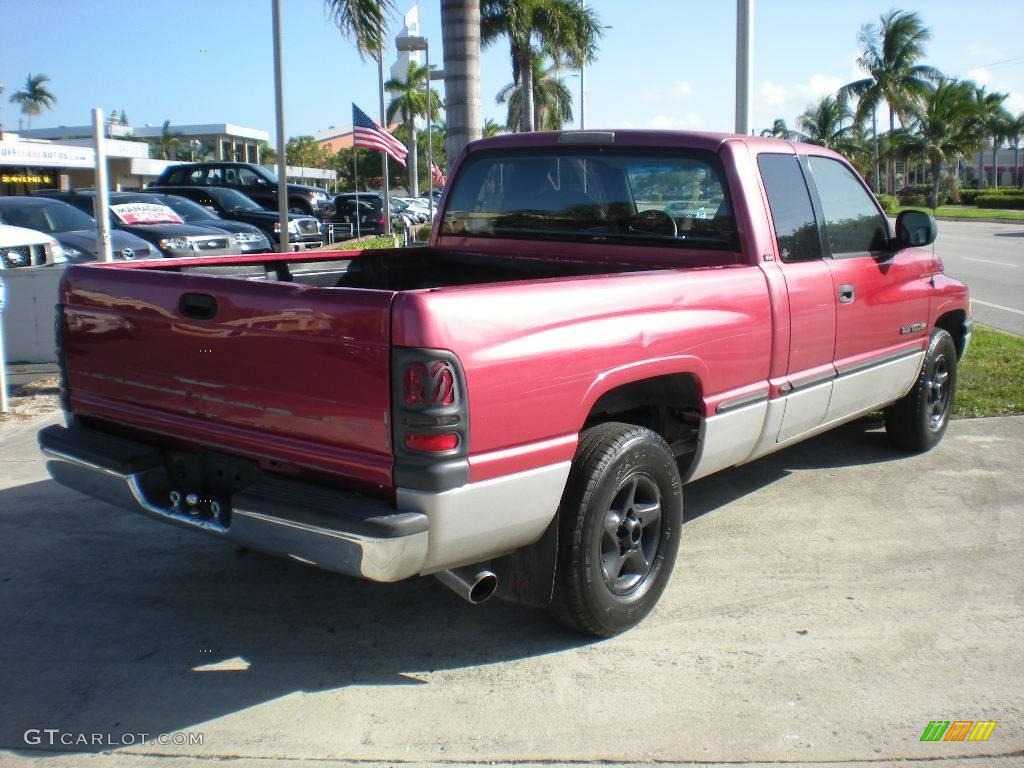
[1014,102]
[773,95]
[682,88]
[818,86]
[980,75]
[691,121]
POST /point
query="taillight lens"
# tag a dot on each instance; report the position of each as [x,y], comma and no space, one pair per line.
[429,402]
[432,443]
[427,384]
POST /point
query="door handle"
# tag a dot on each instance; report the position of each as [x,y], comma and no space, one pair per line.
[846,294]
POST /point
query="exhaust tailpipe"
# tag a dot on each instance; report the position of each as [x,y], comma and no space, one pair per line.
[473,584]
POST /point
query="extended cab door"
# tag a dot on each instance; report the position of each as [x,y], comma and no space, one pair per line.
[881,295]
[812,306]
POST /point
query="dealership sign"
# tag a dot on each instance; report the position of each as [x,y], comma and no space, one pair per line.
[145,213]
[46,155]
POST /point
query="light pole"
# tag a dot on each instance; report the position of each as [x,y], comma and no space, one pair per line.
[416,43]
[744,62]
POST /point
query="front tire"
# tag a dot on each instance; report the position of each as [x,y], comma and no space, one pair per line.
[620,522]
[918,420]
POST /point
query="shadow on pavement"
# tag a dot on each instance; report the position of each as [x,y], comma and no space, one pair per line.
[106,616]
[1010,234]
[855,444]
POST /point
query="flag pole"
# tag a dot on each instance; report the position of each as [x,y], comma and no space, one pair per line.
[384,127]
[355,183]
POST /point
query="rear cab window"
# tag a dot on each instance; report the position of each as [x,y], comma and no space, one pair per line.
[670,198]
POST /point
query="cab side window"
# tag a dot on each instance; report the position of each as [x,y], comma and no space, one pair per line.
[852,221]
[796,229]
[250,179]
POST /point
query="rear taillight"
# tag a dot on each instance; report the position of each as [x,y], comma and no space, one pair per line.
[431,417]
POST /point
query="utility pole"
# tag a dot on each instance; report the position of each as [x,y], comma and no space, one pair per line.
[101,200]
[282,163]
[744,62]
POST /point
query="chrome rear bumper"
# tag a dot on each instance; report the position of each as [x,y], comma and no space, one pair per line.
[334,530]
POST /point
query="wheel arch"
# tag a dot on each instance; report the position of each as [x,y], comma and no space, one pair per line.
[668,402]
[955,323]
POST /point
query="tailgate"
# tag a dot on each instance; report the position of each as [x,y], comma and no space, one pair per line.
[270,370]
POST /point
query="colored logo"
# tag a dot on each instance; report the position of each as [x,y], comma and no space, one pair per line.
[958,730]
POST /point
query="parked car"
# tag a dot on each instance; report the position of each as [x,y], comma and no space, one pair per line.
[303,231]
[687,209]
[371,220]
[409,207]
[21,247]
[516,407]
[250,238]
[251,179]
[72,228]
[157,224]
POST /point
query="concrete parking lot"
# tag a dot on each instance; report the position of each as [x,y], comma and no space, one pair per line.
[829,601]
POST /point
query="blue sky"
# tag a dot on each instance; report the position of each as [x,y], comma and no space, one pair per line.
[665,63]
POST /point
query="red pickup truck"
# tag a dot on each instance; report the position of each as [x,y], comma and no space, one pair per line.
[599,318]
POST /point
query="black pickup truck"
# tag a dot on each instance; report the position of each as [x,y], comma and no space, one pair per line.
[251,179]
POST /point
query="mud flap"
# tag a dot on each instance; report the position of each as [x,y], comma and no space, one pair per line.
[527,576]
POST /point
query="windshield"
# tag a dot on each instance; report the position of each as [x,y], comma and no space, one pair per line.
[268,175]
[674,198]
[232,200]
[46,217]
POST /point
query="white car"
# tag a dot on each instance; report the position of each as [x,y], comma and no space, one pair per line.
[20,247]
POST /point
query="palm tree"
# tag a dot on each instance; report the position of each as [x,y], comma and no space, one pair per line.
[890,51]
[492,128]
[1015,129]
[168,143]
[409,100]
[779,130]
[995,121]
[552,99]
[460,33]
[33,98]
[827,124]
[365,22]
[563,29]
[944,127]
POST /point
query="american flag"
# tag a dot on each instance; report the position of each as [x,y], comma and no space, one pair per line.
[438,174]
[370,135]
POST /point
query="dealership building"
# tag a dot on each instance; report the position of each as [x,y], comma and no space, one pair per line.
[63,157]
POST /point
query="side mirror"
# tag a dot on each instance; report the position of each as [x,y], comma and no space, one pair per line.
[915,229]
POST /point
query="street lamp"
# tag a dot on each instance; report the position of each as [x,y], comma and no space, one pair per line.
[417,43]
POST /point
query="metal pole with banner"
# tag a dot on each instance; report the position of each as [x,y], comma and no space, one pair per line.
[101,210]
[3,355]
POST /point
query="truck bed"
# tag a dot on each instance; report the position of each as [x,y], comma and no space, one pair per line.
[286,362]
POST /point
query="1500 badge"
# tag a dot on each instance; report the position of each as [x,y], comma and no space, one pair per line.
[914,327]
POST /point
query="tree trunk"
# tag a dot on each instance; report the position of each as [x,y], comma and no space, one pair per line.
[1016,162]
[982,181]
[460,34]
[995,162]
[526,85]
[890,176]
[933,196]
[414,169]
[875,180]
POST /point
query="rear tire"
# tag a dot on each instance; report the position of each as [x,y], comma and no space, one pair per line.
[619,529]
[918,420]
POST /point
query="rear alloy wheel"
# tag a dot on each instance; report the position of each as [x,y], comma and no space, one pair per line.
[917,421]
[620,521]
